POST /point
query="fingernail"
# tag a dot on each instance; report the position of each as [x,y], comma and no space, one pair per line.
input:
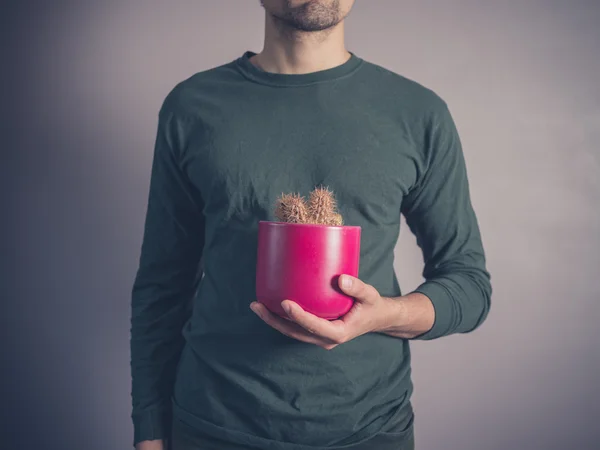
[253,306]
[286,307]
[346,281]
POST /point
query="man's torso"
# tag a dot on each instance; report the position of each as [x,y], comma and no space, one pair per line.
[247,142]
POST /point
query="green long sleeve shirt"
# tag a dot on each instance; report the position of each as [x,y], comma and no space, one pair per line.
[230,140]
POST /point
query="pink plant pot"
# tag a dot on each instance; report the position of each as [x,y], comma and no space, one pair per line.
[303,262]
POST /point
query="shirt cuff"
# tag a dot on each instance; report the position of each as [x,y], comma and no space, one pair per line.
[151,425]
[443,306]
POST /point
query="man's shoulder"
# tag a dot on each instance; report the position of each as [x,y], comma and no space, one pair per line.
[400,87]
[185,94]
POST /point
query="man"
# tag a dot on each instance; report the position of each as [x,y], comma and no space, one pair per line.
[211,368]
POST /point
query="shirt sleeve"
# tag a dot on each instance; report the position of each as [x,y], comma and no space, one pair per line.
[439,213]
[169,268]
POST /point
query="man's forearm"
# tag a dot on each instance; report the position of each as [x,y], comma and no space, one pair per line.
[409,316]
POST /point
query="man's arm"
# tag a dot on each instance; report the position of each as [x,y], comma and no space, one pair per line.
[165,282]
[456,294]
[455,297]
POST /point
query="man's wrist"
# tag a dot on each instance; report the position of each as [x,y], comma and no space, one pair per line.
[408,316]
[157,444]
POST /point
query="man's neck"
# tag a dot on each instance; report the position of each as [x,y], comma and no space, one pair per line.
[288,51]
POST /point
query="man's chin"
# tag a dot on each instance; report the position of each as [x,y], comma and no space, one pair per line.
[310,28]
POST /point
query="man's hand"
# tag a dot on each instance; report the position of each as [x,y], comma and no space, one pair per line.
[158,444]
[370,313]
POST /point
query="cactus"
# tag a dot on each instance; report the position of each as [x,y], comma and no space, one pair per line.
[337,220]
[321,206]
[320,209]
[291,208]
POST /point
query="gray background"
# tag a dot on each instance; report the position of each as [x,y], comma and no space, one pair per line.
[84,81]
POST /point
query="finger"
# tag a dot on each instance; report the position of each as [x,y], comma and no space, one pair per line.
[333,331]
[361,291]
[287,327]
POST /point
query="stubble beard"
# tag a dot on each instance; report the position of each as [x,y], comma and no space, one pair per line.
[312,16]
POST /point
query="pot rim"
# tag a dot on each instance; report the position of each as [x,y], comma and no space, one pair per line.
[306,225]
